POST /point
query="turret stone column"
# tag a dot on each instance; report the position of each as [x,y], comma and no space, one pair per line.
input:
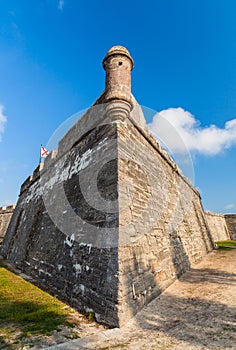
[118,64]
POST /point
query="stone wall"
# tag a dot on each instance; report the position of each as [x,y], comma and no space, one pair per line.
[162,230]
[5,217]
[116,259]
[69,251]
[109,221]
[231,225]
[218,226]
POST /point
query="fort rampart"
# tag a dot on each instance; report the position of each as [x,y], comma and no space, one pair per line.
[5,217]
[109,221]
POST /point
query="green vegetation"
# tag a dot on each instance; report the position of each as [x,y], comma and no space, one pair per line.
[26,311]
[226,245]
[89,315]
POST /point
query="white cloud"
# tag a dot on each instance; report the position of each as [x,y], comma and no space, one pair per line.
[179,130]
[8,202]
[229,206]
[60,5]
[3,121]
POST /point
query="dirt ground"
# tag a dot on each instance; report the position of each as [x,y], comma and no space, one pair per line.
[196,312]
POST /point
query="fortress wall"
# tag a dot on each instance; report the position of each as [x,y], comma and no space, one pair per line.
[112,261]
[163,230]
[231,225]
[5,217]
[218,226]
[70,252]
[109,221]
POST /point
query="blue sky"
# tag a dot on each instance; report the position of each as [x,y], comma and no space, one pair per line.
[185,67]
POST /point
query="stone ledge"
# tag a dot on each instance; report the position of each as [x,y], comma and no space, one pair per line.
[82,343]
[214,214]
[7,209]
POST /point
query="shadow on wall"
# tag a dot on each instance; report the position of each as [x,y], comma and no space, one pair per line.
[206,235]
[197,321]
[148,277]
[179,257]
[145,276]
[181,315]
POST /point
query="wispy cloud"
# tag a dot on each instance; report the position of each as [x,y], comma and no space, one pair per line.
[60,5]
[3,120]
[8,202]
[230,206]
[179,130]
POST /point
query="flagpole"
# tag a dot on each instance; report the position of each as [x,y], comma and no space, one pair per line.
[40,158]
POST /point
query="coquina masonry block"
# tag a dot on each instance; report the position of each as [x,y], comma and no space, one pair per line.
[231,225]
[5,217]
[109,221]
[218,226]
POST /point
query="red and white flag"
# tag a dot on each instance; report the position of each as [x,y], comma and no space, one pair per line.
[44,152]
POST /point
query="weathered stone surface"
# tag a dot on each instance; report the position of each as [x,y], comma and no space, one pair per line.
[118,63]
[231,225]
[109,221]
[218,226]
[80,267]
[5,217]
[222,226]
[163,230]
